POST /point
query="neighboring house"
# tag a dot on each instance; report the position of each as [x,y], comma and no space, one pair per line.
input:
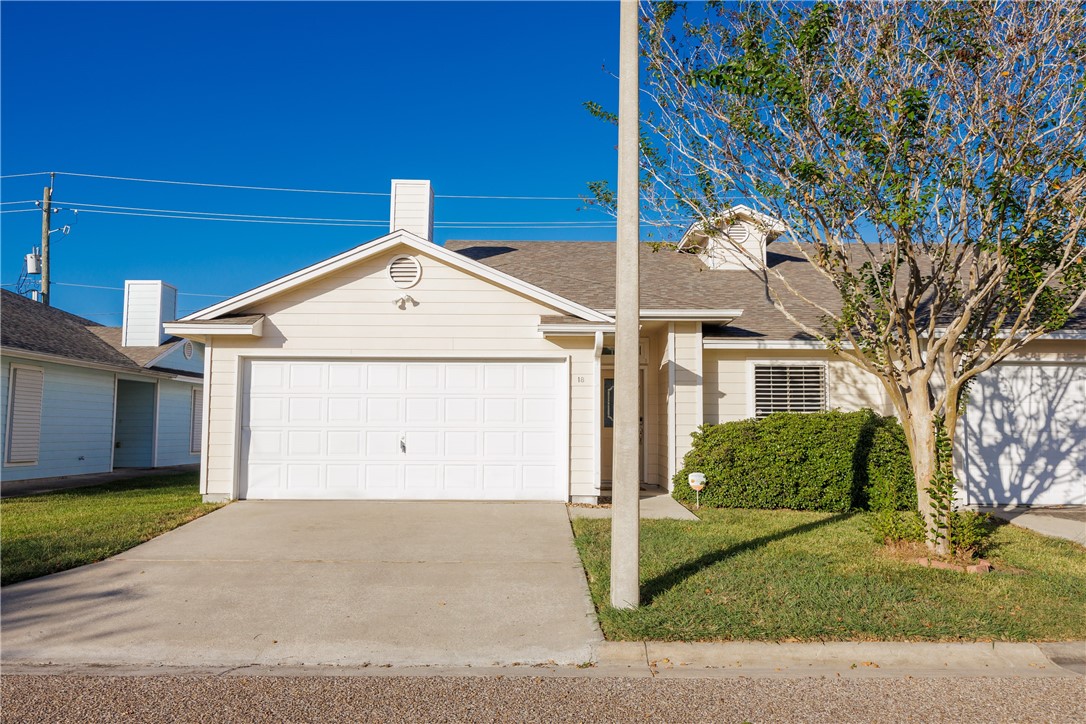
[79,397]
[401,369]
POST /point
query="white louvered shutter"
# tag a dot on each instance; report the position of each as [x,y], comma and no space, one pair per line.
[789,388]
[24,415]
[197,429]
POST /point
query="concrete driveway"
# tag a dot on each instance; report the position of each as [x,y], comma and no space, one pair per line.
[333,583]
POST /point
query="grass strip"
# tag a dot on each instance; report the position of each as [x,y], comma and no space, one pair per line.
[52,532]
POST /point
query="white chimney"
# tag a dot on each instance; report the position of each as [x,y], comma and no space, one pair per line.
[412,208]
[147,304]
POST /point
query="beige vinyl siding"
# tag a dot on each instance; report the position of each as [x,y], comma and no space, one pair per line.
[727,377]
[688,387]
[352,313]
[659,370]
[728,380]
[655,413]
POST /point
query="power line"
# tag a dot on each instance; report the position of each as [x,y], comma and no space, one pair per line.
[16,211]
[221,186]
[382,222]
[31,201]
[121,289]
[20,175]
[288,190]
[557,225]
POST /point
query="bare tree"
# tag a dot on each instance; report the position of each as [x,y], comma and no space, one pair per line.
[927,158]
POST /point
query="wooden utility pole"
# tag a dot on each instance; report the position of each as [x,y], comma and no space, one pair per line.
[626,473]
[46,222]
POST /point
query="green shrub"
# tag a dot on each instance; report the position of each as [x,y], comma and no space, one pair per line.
[969,531]
[890,481]
[829,461]
[893,526]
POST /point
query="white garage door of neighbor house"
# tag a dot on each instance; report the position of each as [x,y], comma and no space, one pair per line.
[471,430]
[1024,436]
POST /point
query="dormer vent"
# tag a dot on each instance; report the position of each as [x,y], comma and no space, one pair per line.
[405,271]
[738,232]
[735,239]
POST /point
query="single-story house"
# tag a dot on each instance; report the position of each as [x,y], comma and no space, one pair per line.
[401,369]
[79,397]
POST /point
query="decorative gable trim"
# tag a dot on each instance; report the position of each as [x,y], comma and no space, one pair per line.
[382,245]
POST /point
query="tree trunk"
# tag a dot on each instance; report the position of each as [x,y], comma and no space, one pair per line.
[920,433]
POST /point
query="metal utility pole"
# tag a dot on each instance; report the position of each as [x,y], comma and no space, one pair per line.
[46,221]
[626,483]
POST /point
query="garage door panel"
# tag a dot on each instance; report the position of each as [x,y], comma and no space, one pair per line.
[420,430]
[306,377]
[305,409]
[1024,436]
[345,409]
[346,378]
[344,442]
[382,378]
[538,411]
[423,410]
[501,410]
[262,409]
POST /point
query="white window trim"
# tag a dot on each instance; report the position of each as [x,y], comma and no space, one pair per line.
[11,411]
[196,441]
[752,363]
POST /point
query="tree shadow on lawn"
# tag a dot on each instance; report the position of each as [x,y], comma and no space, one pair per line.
[661,584]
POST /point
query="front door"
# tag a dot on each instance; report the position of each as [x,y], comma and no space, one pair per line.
[607,433]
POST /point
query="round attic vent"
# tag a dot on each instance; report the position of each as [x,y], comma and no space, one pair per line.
[737,232]
[187,350]
[405,271]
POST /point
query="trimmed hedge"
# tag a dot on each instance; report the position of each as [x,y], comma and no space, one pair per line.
[829,461]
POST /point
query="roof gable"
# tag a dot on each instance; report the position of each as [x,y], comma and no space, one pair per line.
[385,244]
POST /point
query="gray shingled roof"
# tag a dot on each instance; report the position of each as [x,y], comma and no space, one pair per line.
[584,272]
[34,327]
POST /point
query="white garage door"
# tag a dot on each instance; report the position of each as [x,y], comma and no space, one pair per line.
[473,430]
[1024,436]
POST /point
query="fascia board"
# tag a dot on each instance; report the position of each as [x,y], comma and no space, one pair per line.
[256,329]
[575,330]
[717,343]
[686,315]
[16,353]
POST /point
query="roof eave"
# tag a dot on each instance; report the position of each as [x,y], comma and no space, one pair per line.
[135,369]
[211,328]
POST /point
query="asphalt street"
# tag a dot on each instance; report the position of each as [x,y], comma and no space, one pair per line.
[527,698]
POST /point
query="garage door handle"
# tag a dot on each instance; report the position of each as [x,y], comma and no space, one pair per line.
[403,444]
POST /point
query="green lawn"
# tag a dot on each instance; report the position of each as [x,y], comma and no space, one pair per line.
[799,576]
[42,534]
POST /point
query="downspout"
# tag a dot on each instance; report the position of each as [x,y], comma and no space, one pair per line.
[205,423]
[597,416]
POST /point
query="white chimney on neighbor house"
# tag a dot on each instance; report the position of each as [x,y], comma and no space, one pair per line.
[147,304]
[412,208]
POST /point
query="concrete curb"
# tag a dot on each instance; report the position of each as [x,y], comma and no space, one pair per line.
[655,659]
[751,658]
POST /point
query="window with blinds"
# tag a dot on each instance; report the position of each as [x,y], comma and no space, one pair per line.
[789,388]
[196,430]
[24,414]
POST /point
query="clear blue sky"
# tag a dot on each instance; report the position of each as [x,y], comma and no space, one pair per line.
[481,98]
